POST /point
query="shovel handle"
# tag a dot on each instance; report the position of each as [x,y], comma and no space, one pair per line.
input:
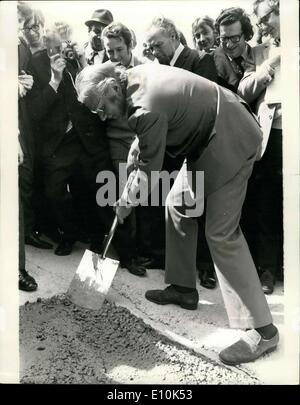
[110,236]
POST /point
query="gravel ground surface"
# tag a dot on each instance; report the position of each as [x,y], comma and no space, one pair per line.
[65,344]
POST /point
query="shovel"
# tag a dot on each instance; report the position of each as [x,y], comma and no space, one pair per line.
[94,276]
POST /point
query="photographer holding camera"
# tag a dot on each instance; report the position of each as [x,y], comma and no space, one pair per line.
[72,141]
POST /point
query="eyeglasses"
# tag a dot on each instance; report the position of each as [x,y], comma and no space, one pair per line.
[34,28]
[265,19]
[234,39]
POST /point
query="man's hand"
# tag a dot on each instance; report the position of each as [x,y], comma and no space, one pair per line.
[133,156]
[25,80]
[265,73]
[58,65]
[122,211]
[21,89]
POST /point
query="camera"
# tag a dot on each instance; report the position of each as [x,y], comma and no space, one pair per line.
[67,51]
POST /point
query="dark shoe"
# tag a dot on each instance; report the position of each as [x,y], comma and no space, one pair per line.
[143,261]
[64,248]
[34,240]
[267,282]
[249,348]
[53,234]
[207,281]
[26,282]
[207,275]
[133,267]
[156,263]
[171,296]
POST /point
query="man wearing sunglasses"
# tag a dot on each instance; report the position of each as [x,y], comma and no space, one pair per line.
[234,29]
[93,49]
[265,187]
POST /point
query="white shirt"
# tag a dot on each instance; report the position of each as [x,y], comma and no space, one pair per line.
[178,51]
[89,53]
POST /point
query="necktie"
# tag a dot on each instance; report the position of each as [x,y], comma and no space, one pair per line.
[239,62]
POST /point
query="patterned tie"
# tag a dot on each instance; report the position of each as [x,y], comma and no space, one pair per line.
[240,64]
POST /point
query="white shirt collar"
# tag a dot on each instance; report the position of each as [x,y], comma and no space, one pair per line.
[178,51]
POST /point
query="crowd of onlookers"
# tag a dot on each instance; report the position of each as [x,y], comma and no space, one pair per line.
[63,146]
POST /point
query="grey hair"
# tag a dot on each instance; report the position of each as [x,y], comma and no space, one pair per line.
[92,83]
[166,25]
[274,4]
[91,94]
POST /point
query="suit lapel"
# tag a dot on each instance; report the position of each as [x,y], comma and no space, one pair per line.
[181,58]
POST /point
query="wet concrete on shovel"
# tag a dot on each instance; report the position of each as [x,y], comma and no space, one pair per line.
[65,344]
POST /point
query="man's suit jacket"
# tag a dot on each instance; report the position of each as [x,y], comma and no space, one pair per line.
[228,72]
[52,111]
[190,60]
[184,114]
[26,136]
[252,88]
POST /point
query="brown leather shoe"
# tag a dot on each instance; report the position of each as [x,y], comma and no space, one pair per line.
[171,296]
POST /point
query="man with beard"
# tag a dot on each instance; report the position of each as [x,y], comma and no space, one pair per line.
[93,49]
[175,111]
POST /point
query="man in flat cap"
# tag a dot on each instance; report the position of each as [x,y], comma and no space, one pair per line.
[93,49]
[175,111]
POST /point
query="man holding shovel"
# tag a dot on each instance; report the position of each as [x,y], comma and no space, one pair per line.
[175,111]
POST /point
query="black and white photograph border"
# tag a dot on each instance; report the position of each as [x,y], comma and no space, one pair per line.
[46,338]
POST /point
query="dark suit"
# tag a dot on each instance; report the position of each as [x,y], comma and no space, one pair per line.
[263,212]
[26,139]
[228,71]
[81,152]
[176,111]
[26,168]
[190,60]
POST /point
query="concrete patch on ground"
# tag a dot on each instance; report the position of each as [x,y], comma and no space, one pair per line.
[61,343]
[205,331]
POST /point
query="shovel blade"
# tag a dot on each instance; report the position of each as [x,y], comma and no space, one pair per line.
[92,280]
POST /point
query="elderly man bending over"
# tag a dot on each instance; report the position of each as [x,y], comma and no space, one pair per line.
[176,111]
